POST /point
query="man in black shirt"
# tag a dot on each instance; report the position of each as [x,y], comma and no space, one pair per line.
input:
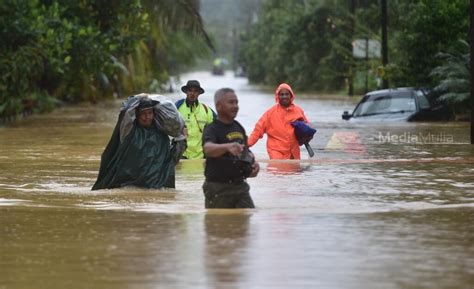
[228,160]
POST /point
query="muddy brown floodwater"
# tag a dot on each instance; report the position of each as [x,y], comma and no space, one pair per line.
[379,206]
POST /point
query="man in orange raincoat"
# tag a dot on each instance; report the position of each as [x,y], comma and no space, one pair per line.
[276,123]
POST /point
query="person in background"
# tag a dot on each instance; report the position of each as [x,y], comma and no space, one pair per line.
[196,115]
[229,162]
[139,152]
[276,122]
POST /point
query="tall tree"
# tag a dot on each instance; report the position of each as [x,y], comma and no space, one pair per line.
[92,49]
[424,28]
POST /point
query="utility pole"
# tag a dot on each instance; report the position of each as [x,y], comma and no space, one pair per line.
[471,38]
[235,49]
[383,18]
[366,87]
[350,77]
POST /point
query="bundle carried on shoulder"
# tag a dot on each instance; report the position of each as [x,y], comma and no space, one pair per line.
[167,117]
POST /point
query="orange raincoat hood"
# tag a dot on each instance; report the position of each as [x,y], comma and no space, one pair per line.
[287,87]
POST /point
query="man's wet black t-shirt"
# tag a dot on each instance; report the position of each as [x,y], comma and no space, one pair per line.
[226,168]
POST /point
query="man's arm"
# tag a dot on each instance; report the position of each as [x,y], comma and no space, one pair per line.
[214,150]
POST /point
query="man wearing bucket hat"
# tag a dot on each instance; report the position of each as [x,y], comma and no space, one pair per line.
[196,115]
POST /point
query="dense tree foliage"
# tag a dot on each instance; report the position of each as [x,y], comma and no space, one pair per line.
[71,51]
[453,77]
[421,30]
[90,49]
[309,43]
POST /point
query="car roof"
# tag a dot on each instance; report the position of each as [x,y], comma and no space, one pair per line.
[393,90]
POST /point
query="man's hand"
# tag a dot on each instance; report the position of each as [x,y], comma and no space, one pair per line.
[255,170]
[178,146]
[235,149]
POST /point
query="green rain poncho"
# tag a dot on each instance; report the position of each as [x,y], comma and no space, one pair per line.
[141,156]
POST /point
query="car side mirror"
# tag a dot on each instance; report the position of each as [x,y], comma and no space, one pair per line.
[346,115]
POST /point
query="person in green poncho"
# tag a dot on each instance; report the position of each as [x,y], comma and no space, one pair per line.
[139,152]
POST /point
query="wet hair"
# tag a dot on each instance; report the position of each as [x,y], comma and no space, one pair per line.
[221,92]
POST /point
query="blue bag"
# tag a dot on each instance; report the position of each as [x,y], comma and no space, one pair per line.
[304,133]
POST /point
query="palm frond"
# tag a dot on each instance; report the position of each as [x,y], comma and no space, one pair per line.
[454,75]
[454,98]
[453,84]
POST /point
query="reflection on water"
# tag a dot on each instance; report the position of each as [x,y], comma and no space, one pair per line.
[61,248]
[287,167]
[227,237]
[377,207]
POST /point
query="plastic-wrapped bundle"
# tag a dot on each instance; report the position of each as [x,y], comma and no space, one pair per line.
[167,116]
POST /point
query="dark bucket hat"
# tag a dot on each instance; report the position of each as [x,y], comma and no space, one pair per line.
[192,83]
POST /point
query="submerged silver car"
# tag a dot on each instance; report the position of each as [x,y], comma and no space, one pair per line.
[397,104]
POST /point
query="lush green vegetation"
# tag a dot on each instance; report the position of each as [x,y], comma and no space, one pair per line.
[453,77]
[309,43]
[67,51]
[71,51]
[423,29]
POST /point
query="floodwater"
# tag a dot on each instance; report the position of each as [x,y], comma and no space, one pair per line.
[379,206]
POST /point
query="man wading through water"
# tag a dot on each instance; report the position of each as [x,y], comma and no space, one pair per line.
[196,115]
[139,152]
[228,159]
[276,122]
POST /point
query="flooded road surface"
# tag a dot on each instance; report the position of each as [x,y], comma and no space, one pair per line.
[379,206]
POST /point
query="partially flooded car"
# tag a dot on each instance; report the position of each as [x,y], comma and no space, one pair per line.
[397,104]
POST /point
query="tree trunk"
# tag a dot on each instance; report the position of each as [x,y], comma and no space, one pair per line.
[383,18]
[471,37]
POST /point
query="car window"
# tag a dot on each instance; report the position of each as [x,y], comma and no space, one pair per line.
[379,104]
[390,103]
[422,100]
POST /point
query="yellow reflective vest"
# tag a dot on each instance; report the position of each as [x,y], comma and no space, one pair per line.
[195,117]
